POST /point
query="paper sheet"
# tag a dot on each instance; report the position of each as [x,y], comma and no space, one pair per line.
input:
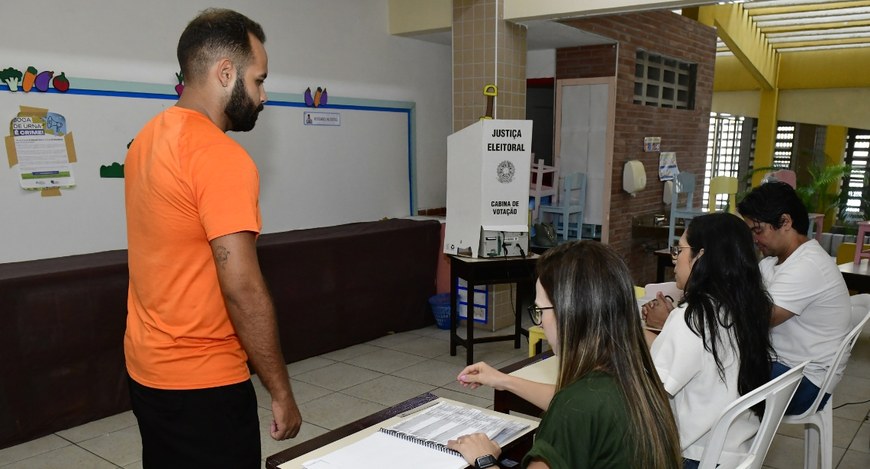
[382,451]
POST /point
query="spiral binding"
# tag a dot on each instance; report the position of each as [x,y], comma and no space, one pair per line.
[429,444]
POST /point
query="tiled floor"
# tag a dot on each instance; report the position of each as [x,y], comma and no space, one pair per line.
[342,386]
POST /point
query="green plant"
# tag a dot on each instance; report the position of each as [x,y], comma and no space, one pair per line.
[817,195]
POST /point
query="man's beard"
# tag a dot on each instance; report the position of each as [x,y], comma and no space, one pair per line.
[241,110]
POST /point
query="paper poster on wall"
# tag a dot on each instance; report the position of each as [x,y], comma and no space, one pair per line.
[668,166]
[42,148]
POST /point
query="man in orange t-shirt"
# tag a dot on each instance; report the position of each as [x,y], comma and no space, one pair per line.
[198,308]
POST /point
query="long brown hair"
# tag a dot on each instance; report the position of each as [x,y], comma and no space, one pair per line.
[599,328]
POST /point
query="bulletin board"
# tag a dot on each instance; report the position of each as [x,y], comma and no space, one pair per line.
[310,175]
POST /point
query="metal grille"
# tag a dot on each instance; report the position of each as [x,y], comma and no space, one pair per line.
[723,152]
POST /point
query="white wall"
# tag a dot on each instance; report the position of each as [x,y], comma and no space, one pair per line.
[541,63]
[344,45]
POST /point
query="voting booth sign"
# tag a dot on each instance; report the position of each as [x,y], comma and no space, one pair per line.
[488,166]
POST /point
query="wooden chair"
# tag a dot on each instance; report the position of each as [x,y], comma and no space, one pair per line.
[537,187]
[572,201]
[684,183]
[723,185]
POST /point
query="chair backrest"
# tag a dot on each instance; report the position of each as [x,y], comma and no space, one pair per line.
[684,183]
[536,182]
[573,190]
[776,395]
[723,185]
[860,316]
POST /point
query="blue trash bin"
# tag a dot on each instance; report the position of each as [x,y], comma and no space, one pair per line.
[440,305]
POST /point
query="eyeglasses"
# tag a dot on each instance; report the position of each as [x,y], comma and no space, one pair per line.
[676,250]
[535,313]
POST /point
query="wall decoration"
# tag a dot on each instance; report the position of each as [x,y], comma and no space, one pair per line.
[115,170]
[318,99]
[42,148]
[651,144]
[668,166]
[32,78]
[179,88]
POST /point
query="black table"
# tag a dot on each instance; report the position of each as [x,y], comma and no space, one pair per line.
[857,276]
[663,261]
[478,271]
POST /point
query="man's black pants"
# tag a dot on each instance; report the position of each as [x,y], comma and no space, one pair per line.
[214,427]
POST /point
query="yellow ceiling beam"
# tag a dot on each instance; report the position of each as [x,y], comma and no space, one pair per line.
[822,69]
[819,6]
[731,75]
[745,40]
[833,68]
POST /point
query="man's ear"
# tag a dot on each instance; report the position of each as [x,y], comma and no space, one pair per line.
[226,72]
[785,221]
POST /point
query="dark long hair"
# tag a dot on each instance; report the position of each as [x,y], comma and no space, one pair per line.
[725,289]
[768,202]
[599,329]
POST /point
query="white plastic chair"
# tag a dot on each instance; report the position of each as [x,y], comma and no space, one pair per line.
[818,424]
[776,395]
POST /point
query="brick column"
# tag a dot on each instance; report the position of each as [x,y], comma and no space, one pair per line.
[487,50]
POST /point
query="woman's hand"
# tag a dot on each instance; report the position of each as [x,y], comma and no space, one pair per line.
[474,446]
[656,311]
[480,373]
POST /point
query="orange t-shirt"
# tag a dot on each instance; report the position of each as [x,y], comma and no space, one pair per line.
[186,183]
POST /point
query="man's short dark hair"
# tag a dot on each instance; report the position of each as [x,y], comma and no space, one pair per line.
[768,202]
[216,33]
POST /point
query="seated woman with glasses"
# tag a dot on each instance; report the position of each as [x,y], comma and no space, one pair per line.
[715,345]
[608,408]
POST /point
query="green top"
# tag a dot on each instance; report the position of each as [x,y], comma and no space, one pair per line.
[585,427]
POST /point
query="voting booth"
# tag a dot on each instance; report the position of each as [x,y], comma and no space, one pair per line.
[488,165]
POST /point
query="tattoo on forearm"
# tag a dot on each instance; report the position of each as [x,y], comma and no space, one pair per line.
[221,255]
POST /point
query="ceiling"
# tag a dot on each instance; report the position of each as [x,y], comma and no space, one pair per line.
[542,34]
[788,25]
[801,25]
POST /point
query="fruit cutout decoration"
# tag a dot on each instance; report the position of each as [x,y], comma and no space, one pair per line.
[33,79]
[318,99]
[60,83]
[179,88]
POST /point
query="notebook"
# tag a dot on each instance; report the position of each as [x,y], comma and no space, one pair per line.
[420,440]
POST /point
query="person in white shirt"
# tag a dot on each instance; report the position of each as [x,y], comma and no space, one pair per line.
[714,346]
[812,313]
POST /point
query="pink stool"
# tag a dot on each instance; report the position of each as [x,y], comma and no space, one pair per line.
[818,219]
[863,228]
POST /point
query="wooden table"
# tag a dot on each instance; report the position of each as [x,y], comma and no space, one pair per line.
[506,401]
[857,276]
[513,451]
[489,271]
